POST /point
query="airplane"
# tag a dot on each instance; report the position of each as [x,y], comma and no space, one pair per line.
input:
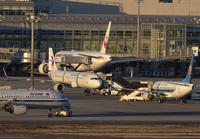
[73,78]
[170,89]
[18,101]
[99,59]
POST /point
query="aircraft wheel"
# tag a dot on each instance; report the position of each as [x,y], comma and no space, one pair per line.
[87,92]
[184,101]
[50,115]
[70,114]
[161,100]
[106,93]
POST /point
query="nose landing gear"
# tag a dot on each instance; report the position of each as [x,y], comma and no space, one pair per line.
[87,92]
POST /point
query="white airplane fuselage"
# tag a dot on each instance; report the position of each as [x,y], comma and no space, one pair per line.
[77,79]
[35,99]
[99,60]
[172,89]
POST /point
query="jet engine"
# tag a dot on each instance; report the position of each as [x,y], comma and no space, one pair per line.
[16,109]
[43,68]
[59,87]
[147,96]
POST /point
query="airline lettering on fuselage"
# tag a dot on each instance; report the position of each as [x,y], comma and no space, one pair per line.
[84,75]
[73,74]
[36,93]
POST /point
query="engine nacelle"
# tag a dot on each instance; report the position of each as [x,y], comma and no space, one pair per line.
[147,96]
[59,87]
[74,85]
[43,68]
[16,109]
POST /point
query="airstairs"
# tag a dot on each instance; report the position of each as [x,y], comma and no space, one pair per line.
[118,81]
[133,85]
[141,93]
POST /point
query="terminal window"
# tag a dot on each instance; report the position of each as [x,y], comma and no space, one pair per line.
[166,1]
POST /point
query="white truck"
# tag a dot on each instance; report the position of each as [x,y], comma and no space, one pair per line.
[108,90]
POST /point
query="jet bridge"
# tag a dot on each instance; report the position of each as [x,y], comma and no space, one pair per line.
[69,60]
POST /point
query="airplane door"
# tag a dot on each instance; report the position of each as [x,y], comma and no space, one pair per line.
[179,90]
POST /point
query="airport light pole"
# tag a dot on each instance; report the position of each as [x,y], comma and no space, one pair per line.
[138,35]
[32,19]
[32,52]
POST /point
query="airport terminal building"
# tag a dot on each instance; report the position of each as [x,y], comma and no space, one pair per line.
[167,27]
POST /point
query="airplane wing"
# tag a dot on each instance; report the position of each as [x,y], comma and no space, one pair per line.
[22,78]
[42,60]
[192,92]
[132,56]
[90,56]
[41,80]
[145,59]
[6,102]
[24,58]
[197,85]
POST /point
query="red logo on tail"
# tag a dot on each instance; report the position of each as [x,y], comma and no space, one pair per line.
[52,61]
[105,42]
[190,71]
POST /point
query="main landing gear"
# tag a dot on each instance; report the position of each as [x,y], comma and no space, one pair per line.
[160,99]
[49,113]
[87,92]
[183,101]
[61,112]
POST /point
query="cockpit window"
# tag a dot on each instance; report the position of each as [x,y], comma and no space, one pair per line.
[63,96]
[95,78]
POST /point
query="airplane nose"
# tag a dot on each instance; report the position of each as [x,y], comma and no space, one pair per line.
[67,103]
[98,84]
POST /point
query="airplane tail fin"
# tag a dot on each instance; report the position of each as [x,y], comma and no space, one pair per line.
[106,38]
[52,63]
[188,77]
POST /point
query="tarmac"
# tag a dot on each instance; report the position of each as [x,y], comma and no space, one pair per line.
[101,109]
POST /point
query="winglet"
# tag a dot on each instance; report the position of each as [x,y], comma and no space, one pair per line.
[52,63]
[106,38]
[188,77]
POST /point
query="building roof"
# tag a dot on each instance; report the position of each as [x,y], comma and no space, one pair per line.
[24,3]
[128,19]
